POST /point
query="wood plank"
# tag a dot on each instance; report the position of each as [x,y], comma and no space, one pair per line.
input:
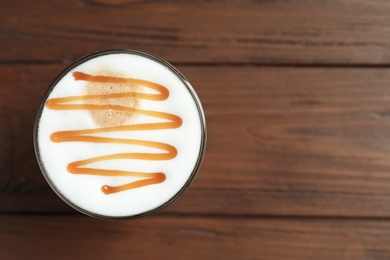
[282,141]
[76,237]
[261,32]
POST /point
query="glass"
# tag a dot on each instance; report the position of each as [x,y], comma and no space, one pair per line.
[120,134]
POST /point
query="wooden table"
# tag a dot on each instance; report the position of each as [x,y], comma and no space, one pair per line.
[297,100]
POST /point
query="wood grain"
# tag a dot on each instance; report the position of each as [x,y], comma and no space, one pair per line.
[297,101]
[78,237]
[282,141]
[254,32]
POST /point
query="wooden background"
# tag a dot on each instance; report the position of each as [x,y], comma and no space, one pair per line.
[297,100]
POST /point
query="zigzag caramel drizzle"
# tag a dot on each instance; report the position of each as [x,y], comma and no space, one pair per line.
[87,135]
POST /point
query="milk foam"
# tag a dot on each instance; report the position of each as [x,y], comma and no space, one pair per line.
[84,191]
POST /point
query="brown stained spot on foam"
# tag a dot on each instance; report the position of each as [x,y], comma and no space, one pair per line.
[110,117]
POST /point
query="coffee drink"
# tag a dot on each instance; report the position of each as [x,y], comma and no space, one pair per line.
[120,134]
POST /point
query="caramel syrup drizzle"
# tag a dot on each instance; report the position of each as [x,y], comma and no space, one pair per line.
[87,135]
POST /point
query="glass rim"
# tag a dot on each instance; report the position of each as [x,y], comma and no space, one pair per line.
[183,79]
